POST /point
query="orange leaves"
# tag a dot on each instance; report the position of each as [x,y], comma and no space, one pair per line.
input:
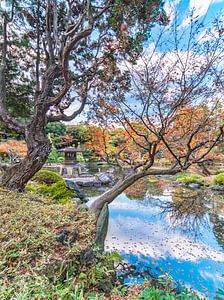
[193,132]
[107,108]
[98,141]
[66,140]
[18,147]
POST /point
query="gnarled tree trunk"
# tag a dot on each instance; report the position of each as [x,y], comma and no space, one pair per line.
[16,176]
[123,184]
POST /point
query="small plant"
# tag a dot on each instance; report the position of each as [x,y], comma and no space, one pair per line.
[220,294]
[152,293]
[42,237]
[219,179]
[54,156]
[166,281]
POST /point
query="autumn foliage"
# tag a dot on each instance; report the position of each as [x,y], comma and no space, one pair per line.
[18,148]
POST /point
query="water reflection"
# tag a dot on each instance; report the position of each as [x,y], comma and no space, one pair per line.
[187,211]
[178,230]
[218,228]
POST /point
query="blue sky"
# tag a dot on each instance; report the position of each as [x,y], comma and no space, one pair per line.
[202,8]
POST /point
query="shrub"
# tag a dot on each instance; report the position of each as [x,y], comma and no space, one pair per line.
[60,193]
[219,172]
[60,159]
[155,293]
[219,179]
[57,192]
[189,178]
[47,177]
[54,156]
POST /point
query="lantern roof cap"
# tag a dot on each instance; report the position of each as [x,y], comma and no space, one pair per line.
[71,149]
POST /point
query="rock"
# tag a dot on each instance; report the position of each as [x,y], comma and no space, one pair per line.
[74,237]
[63,236]
[66,237]
[82,207]
[83,197]
[84,200]
[217,188]
[102,227]
[87,256]
[74,187]
[112,171]
[104,178]
[97,184]
[104,285]
[85,174]
[88,183]
[77,201]
[195,185]
[180,184]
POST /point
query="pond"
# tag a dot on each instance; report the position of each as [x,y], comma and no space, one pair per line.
[159,228]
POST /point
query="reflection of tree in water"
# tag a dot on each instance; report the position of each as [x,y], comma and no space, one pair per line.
[127,271]
[145,187]
[187,211]
[137,191]
[218,228]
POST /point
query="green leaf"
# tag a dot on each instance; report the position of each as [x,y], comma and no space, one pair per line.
[82,276]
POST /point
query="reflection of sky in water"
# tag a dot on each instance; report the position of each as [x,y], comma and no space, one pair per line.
[145,238]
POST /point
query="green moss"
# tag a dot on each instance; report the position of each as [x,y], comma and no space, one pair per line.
[51,185]
[189,178]
[57,192]
[47,177]
[219,179]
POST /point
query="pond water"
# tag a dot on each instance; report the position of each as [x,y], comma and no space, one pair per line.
[158,228]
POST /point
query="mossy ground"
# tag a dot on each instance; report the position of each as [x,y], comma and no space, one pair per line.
[29,231]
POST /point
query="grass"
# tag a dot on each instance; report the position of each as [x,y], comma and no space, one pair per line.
[217,172]
[189,178]
[219,179]
[30,230]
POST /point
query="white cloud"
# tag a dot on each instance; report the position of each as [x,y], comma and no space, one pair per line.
[170,9]
[138,236]
[199,9]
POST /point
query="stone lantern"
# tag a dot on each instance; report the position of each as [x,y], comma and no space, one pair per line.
[71,161]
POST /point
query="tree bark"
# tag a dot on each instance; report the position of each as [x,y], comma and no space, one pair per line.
[16,176]
[123,184]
